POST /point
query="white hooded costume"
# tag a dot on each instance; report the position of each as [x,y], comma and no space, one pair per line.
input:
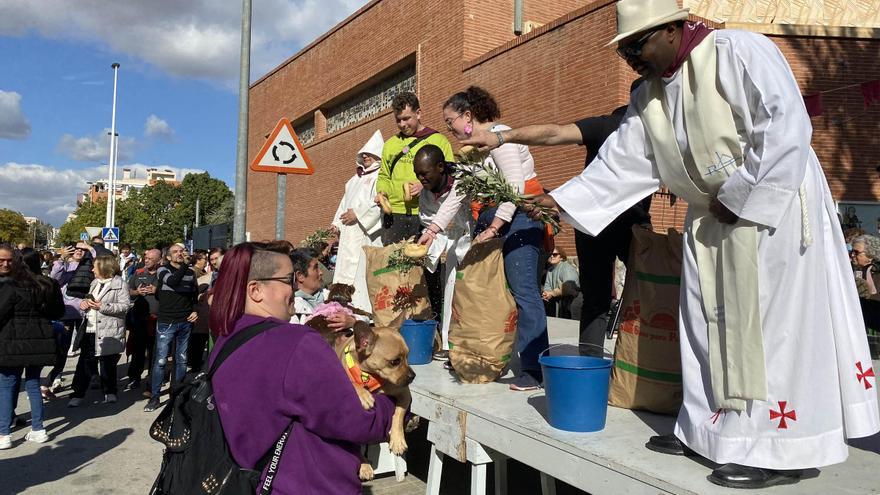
[360,191]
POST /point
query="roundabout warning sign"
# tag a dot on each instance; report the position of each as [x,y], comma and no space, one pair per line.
[283,153]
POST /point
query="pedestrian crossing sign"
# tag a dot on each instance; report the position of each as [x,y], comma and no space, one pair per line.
[110,234]
[84,236]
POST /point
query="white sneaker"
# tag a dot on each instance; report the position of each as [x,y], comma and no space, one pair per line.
[5,442]
[37,436]
[56,385]
[110,399]
[75,402]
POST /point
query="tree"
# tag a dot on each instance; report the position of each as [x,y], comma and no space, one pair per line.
[148,218]
[211,193]
[13,227]
[223,214]
[88,214]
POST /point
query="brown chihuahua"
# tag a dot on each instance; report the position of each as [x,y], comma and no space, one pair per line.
[375,360]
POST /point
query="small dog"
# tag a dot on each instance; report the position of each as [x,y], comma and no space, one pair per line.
[375,359]
[338,301]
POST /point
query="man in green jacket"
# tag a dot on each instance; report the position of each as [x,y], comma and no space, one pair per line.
[396,171]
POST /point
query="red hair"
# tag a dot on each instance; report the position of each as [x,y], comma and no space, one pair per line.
[230,290]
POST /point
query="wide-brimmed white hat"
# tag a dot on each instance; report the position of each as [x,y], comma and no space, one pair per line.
[635,16]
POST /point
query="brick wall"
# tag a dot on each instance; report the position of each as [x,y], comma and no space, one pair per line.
[558,73]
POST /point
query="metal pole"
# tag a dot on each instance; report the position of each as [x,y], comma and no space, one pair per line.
[280,203]
[241,172]
[197,211]
[111,165]
[517,17]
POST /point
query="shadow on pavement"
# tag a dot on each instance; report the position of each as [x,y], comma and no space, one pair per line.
[57,460]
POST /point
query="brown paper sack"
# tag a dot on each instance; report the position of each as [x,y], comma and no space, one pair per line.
[647,358]
[483,326]
[383,283]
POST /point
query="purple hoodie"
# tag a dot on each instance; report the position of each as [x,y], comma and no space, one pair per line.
[286,372]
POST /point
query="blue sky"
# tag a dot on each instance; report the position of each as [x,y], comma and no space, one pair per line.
[177,94]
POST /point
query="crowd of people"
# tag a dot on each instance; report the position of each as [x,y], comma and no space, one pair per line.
[86,301]
[766,288]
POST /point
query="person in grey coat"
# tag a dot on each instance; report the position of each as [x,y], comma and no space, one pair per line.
[102,337]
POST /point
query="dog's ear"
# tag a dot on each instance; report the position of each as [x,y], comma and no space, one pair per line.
[397,322]
[364,337]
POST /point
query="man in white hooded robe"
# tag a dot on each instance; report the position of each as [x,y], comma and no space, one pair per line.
[777,372]
[358,221]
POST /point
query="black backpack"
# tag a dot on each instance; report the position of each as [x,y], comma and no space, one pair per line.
[81,281]
[197,458]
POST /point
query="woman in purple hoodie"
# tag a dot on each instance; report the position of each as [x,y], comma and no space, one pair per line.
[285,373]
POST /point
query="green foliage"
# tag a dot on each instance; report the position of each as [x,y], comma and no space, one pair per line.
[13,227]
[155,216]
[88,214]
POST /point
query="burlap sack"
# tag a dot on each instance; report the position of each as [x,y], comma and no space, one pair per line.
[483,326]
[383,284]
[647,358]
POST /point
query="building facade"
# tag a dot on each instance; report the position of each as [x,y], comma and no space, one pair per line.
[337,91]
[129,182]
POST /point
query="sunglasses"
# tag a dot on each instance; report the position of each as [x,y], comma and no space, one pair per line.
[553,255]
[634,49]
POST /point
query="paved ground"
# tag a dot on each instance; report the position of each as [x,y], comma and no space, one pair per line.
[100,449]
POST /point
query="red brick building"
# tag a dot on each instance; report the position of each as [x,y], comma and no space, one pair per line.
[337,92]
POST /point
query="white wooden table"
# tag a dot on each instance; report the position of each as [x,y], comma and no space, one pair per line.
[480,424]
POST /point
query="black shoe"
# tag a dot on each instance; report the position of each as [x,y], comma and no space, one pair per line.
[737,476]
[441,355]
[133,385]
[669,444]
[152,404]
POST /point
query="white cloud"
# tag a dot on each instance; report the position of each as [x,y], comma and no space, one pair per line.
[95,148]
[198,38]
[156,127]
[50,193]
[13,124]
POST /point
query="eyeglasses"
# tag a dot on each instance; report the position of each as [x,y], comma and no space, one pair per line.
[856,252]
[450,122]
[553,255]
[634,49]
[289,280]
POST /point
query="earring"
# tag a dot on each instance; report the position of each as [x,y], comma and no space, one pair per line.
[468,129]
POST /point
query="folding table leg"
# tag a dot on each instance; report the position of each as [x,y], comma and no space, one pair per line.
[548,484]
[478,479]
[435,470]
[500,462]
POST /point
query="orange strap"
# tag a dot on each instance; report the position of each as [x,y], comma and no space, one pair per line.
[367,380]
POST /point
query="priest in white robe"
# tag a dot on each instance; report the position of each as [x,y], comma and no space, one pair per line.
[358,221]
[776,368]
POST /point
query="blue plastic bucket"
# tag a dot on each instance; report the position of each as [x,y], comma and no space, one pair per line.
[419,337]
[577,391]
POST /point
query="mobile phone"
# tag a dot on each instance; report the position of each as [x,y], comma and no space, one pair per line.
[89,297]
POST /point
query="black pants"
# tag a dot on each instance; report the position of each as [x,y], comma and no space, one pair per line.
[141,347]
[87,366]
[195,351]
[559,307]
[61,348]
[397,227]
[596,259]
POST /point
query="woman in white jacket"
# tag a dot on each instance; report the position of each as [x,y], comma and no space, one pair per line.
[102,337]
[358,222]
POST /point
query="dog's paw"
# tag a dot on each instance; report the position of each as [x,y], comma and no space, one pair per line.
[367,399]
[397,444]
[412,424]
[365,473]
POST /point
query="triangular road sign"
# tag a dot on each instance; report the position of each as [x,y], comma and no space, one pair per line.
[283,153]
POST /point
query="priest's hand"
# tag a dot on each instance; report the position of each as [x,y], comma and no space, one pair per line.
[427,239]
[721,212]
[540,200]
[482,140]
[348,217]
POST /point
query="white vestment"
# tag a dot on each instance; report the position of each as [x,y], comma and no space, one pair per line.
[455,240]
[351,263]
[816,355]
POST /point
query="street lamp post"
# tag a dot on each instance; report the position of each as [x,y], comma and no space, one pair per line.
[241,172]
[111,165]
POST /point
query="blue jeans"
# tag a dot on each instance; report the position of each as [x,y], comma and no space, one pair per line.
[10,381]
[523,239]
[165,334]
